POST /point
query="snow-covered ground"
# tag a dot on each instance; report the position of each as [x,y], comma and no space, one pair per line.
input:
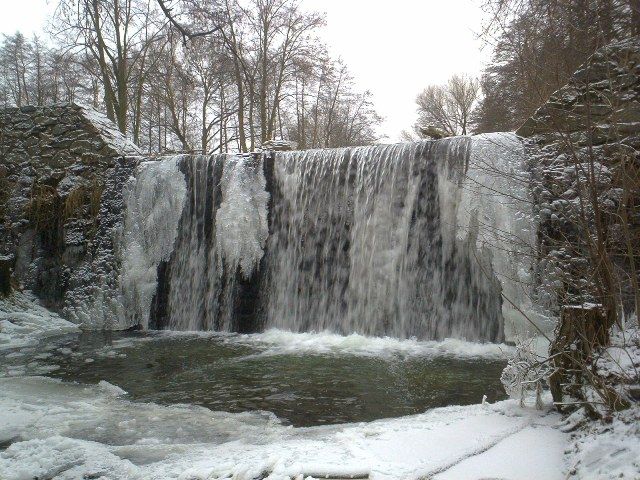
[70,431]
[611,448]
[62,430]
[607,450]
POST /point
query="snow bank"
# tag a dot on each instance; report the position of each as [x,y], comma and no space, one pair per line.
[25,323]
[76,431]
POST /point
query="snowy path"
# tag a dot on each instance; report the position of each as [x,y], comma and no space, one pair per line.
[73,431]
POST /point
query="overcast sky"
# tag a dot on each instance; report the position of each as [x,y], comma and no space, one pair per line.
[393,48]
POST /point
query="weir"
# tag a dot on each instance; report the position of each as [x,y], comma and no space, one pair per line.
[407,240]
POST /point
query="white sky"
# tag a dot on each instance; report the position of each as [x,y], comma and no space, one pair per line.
[394,48]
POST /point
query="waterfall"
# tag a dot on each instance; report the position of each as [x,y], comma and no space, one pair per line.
[220,241]
[407,240]
[365,240]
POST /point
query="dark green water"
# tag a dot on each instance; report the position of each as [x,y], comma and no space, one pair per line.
[229,374]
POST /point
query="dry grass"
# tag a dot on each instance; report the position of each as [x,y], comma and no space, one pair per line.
[42,208]
[46,208]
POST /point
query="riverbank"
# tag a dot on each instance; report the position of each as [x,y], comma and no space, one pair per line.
[66,430]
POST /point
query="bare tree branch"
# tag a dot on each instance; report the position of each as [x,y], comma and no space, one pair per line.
[184,31]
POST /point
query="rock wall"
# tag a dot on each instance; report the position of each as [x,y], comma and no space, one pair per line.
[584,150]
[62,169]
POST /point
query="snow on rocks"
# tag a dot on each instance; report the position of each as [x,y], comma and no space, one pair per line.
[63,168]
[108,131]
[24,322]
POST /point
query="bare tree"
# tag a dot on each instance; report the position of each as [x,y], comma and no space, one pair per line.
[185,31]
[448,107]
[262,74]
[15,59]
[117,34]
[32,72]
[329,112]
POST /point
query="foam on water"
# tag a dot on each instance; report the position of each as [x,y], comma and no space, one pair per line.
[283,342]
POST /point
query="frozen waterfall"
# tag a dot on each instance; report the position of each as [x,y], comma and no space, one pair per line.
[154,201]
[407,240]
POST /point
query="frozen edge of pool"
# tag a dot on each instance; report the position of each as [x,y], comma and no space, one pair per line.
[86,431]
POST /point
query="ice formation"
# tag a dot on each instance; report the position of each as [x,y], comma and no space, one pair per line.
[494,210]
[25,323]
[154,203]
[219,244]
[241,219]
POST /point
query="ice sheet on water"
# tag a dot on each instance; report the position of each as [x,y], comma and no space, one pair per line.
[241,220]
[39,407]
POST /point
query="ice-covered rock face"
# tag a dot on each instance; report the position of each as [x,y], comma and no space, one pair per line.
[61,178]
[586,140]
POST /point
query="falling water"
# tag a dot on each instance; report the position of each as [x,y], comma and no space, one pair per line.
[219,245]
[401,240]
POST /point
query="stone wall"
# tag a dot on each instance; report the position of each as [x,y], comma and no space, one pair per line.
[584,149]
[62,169]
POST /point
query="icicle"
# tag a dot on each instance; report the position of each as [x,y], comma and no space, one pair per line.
[154,203]
[241,220]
